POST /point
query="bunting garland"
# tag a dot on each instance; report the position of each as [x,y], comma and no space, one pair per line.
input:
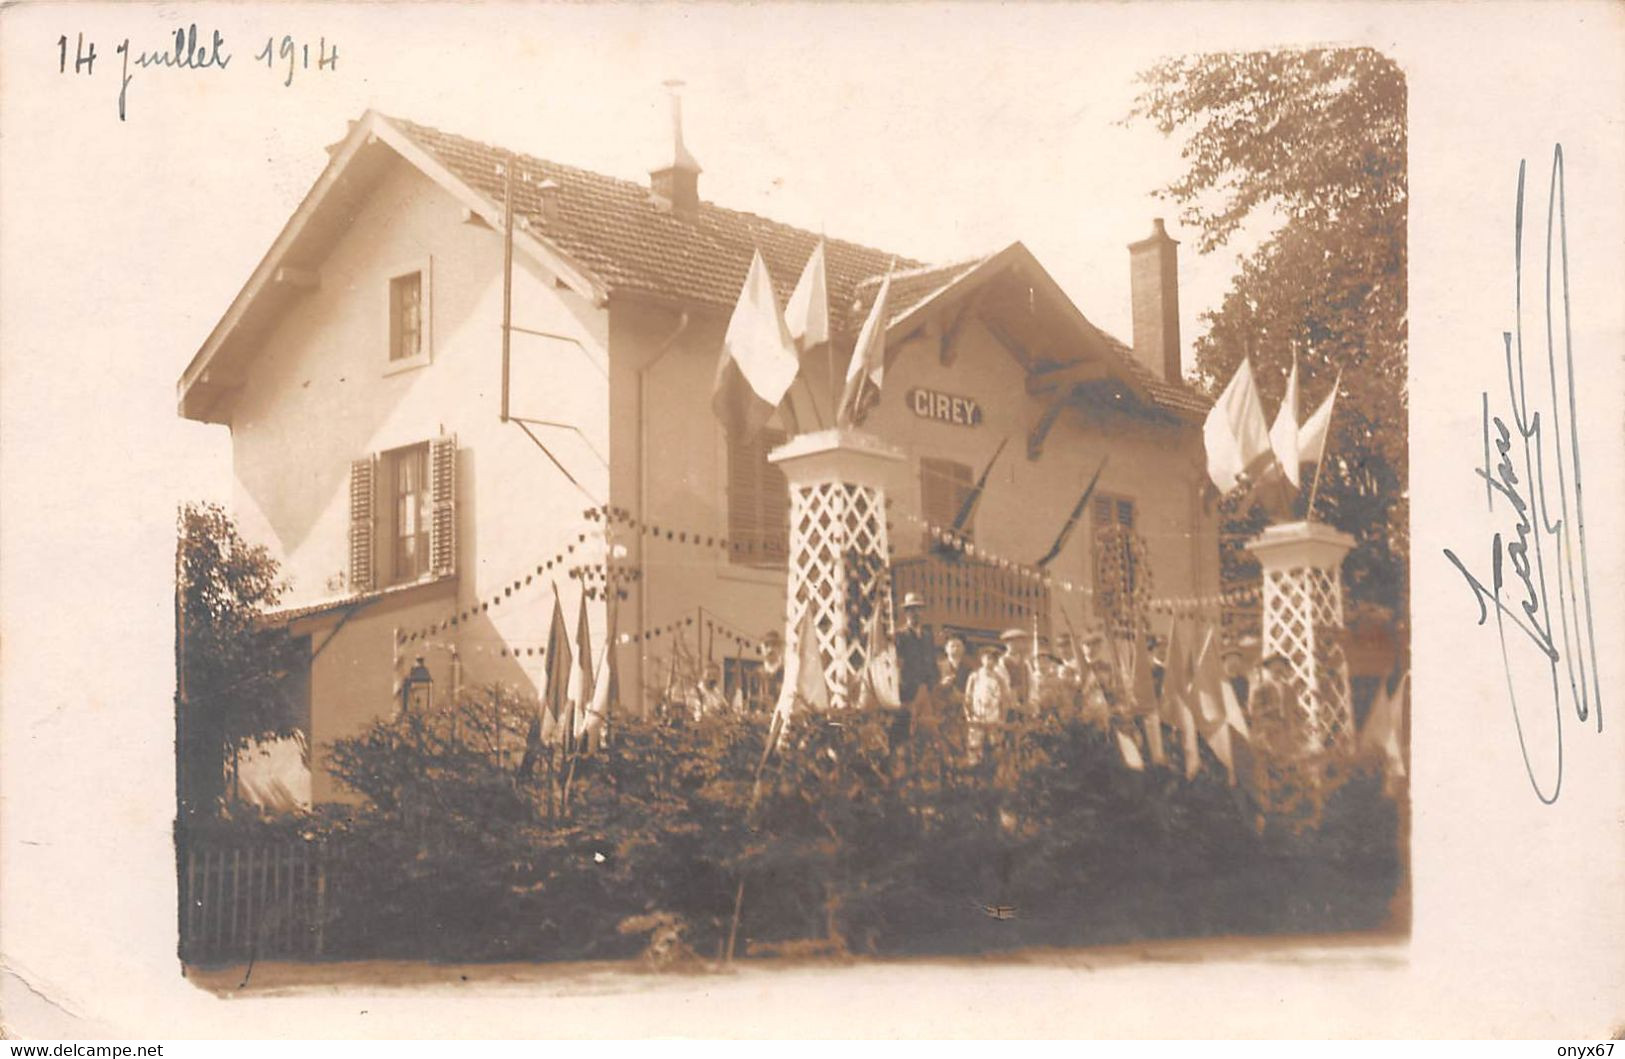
[600,578]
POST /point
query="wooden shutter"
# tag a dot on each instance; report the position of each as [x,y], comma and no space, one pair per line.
[758,499]
[443,506]
[363,478]
[944,485]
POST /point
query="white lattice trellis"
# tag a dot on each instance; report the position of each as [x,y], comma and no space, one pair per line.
[838,545]
[1303,621]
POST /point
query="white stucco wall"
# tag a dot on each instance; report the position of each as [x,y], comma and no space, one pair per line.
[320,394]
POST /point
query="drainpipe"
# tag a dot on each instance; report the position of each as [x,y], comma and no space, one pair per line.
[645,581]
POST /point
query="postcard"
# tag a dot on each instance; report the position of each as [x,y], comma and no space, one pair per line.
[776,520]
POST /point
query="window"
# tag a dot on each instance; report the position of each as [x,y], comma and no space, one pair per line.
[408,483]
[1112,521]
[406,317]
[403,517]
[944,487]
[1113,511]
[758,501]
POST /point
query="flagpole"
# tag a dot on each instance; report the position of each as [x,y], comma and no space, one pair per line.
[1314,487]
[507,280]
[829,344]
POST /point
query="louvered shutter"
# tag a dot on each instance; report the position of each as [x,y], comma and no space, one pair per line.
[758,499]
[443,500]
[363,477]
[775,503]
[944,485]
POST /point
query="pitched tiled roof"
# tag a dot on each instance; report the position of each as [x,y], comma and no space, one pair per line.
[1175,397]
[633,242]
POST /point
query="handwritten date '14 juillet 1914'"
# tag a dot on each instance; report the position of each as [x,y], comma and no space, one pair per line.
[282,55]
[1532,472]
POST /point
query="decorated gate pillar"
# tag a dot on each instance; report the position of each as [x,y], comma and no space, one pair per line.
[839,548]
[1303,621]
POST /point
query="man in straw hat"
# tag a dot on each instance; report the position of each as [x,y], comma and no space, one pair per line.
[1018,651]
[916,651]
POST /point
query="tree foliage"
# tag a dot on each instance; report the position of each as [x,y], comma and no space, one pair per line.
[1313,144]
[231,666]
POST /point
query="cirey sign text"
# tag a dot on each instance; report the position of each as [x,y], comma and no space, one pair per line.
[929,404]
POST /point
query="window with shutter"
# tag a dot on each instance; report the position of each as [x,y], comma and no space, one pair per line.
[403,515]
[944,486]
[758,501]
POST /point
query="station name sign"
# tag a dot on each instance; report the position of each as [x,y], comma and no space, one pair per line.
[944,407]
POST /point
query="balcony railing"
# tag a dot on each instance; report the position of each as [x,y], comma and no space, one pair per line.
[970,594]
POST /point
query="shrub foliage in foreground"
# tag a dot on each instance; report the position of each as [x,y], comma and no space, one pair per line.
[844,843]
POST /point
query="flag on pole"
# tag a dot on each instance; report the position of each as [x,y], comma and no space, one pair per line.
[1153,738]
[758,357]
[1284,431]
[1135,671]
[580,687]
[1234,714]
[1222,749]
[968,506]
[868,365]
[1130,751]
[804,683]
[807,312]
[555,703]
[1077,513]
[1176,674]
[1188,739]
[1312,435]
[1177,677]
[1206,696]
[606,692]
[882,680]
[1234,433]
[1207,701]
[1381,732]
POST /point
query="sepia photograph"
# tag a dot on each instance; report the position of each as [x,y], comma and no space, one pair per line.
[613,574]
[780,520]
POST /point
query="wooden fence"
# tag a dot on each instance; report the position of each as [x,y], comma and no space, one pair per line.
[963,593]
[252,901]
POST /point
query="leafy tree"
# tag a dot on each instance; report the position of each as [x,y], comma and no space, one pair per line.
[231,667]
[1313,143]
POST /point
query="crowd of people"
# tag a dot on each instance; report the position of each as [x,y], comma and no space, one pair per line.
[1022,676]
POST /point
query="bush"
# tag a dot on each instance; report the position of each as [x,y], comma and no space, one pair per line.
[846,842]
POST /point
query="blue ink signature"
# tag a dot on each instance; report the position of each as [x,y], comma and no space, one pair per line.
[1544,552]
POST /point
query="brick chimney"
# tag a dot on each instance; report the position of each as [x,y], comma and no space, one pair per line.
[677,185]
[1154,291]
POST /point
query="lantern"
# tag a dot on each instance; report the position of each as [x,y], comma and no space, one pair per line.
[417,690]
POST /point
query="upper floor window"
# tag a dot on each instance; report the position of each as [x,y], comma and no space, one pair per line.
[406,316]
[944,487]
[407,475]
[403,518]
[758,501]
